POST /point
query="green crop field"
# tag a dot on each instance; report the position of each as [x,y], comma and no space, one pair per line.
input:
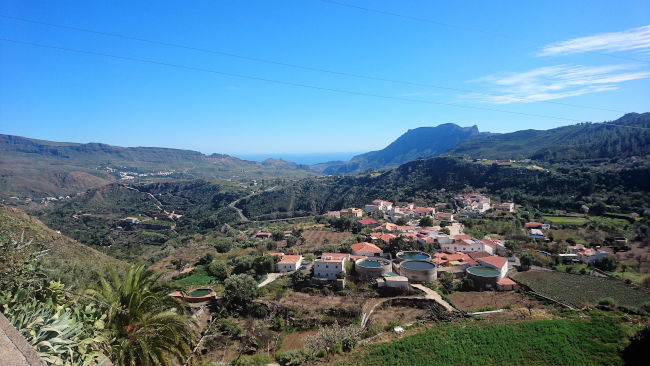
[580,289]
[566,220]
[541,342]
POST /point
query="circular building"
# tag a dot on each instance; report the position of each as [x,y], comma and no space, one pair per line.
[483,277]
[372,267]
[413,256]
[418,271]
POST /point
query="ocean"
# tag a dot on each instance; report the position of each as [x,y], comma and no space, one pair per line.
[300,158]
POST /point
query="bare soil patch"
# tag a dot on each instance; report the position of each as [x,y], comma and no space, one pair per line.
[316,238]
[296,340]
[302,301]
[638,250]
[403,314]
[474,300]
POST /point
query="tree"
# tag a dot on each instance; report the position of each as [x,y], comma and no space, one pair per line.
[277,235]
[638,347]
[401,221]
[264,264]
[426,221]
[144,323]
[526,260]
[240,290]
[447,281]
[223,245]
[598,208]
[219,270]
[291,241]
[206,259]
[445,230]
[606,263]
[466,284]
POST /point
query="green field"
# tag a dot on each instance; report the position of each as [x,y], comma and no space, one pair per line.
[541,342]
[577,290]
[566,220]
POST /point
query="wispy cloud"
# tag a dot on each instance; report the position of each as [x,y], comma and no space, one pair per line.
[554,82]
[635,39]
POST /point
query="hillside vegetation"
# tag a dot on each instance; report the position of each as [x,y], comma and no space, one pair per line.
[564,187]
[541,342]
[625,137]
[66,259]
[93,217]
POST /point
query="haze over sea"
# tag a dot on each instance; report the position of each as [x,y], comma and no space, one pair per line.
[301,158]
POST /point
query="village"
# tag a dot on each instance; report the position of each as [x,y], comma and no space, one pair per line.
[411,245]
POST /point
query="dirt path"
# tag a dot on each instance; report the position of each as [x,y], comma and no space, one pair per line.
[239,211]
[430,294]
[270,277]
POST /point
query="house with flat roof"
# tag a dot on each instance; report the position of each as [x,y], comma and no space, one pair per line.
[329,267]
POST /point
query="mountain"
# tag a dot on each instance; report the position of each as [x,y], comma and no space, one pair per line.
[37,168]
[66,259]
[625,137]
[422,142]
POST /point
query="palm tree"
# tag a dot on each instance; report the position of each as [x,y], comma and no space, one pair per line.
[146,326]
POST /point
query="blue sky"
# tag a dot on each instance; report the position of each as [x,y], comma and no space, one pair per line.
[522,57]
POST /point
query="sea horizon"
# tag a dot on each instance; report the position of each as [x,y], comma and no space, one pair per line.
[301,158]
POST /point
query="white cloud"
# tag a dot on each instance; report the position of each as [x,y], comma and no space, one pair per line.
[554,82]
[635,39]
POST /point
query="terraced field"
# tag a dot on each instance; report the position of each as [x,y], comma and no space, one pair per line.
[578,290]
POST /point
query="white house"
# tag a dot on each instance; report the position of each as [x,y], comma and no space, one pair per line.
[383,205]
[399,282]
[587,255]
[329,267]
[489,246]
[289,263]
[462,243]
[496,262]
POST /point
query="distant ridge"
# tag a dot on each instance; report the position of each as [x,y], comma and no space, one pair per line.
[625,137]
[38,168]
[422,142]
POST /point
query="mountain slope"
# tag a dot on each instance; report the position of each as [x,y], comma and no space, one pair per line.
[37,168]
[581,141]
[423,181]
[422,142]
[68,260]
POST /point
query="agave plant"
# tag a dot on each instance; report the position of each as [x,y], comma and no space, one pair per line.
[147,327]
[60,335]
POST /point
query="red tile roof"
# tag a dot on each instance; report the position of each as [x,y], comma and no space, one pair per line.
[462,237]
[442,258]
[505,281]
[494,260]
[289,259]
[533,224]
[479,254]
[367,222]
[365,248]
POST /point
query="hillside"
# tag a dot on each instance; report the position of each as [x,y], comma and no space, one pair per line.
[37,168]
[68,260]
[93,217]
[422,142]
[422,180]
[581,141]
